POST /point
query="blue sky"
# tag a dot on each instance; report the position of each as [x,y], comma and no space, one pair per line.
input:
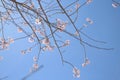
[104,65]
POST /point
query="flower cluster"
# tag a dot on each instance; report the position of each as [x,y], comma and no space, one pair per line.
[87,61]
[32,5]
[4,44]
[35,65]
[26,51]
[34,68]
[61,25]
[67,42]
[6,16]
[41,30]
[89,21]
[76,72]
[47,46]
[46,41]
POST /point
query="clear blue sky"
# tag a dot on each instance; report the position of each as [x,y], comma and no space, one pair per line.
[105,65]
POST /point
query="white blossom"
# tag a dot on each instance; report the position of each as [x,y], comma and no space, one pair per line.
[89,1]
[10,40]
[76,72]
[30,39]
[77,5]
[115,5]
[87,61]
[67,42]
[83,64]
[5,17]
[32,5]
[33,36]
[76,33]
[89,20]
[61,25]
[29,49]
[4,45]
[2,42]
[35,66]
[48,47]
[19,30]
[46,41]
[35,58]
[38,21]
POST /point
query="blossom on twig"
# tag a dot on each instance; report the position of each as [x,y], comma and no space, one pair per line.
[89,20]
[87,61]
[89,1]
[76,72]
[115,5]
[30,39]
[38,21]
[61,25]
